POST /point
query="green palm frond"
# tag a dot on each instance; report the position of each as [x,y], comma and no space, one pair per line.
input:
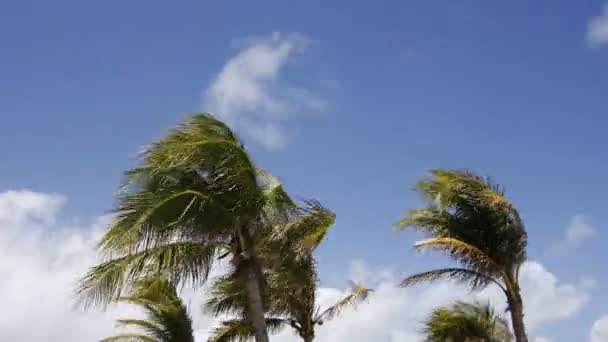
[182,262]
[166,317]
[239,330]
[466,322]
[469,255]
[358,294]
[130,338]
[471,277]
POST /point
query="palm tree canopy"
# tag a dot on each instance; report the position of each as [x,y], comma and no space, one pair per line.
[465,322]
[181,207]
[291,278]
[167,318]
[469,218]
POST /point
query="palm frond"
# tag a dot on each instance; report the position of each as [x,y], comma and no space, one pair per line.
[358,294]
[182,262]
[166,316]
[473,278]
[129,338]
[466,322]
[469,255]
[240,330]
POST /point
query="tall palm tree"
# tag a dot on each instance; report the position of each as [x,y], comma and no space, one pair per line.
[465,322]
[196,196]
[469,218]
[292,282]
[167,318]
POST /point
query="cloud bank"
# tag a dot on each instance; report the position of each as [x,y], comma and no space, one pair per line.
[41,258]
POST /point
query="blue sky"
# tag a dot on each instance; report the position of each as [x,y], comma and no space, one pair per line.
[364,98]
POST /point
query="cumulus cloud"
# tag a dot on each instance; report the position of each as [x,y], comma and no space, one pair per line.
[599,330]
[597,32]
[250,94]
[41,258]
[579,230]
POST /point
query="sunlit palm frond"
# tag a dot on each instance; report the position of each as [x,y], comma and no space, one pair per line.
[306,229]
[358,294]
[467,254]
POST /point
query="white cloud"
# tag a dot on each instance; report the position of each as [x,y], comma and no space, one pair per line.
[579,230]
[599,330]
[41,258]
[40,262]
[597,33]
[250,94]
[541,339]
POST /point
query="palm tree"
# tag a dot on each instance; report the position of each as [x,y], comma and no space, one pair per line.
[195,197]
[465,322]
[166,319]
[292,282]
[469,218]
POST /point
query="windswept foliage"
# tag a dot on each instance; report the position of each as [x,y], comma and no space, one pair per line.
[166,316]
[291,277]
[465,322]
[469,218]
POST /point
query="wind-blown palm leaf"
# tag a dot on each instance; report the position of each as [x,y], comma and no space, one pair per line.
[129,338]
[180,261]
[166,316]
[239,330]
[470,255]
[358,294]
[466,322]
[475,279]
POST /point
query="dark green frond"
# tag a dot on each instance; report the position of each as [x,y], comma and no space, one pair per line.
[182,262]
[466,322]
[473,278]
[241,331]
[166,316]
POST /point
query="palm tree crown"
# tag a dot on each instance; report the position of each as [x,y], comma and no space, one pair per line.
[468,217]
[465,322]
[196,195]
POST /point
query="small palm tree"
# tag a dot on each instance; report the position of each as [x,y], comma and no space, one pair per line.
[469,218]
[196,196]
[292,282]
[465,322]
[167,318]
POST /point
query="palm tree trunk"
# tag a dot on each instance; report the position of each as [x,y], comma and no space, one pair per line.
[516,308]
[250,277]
